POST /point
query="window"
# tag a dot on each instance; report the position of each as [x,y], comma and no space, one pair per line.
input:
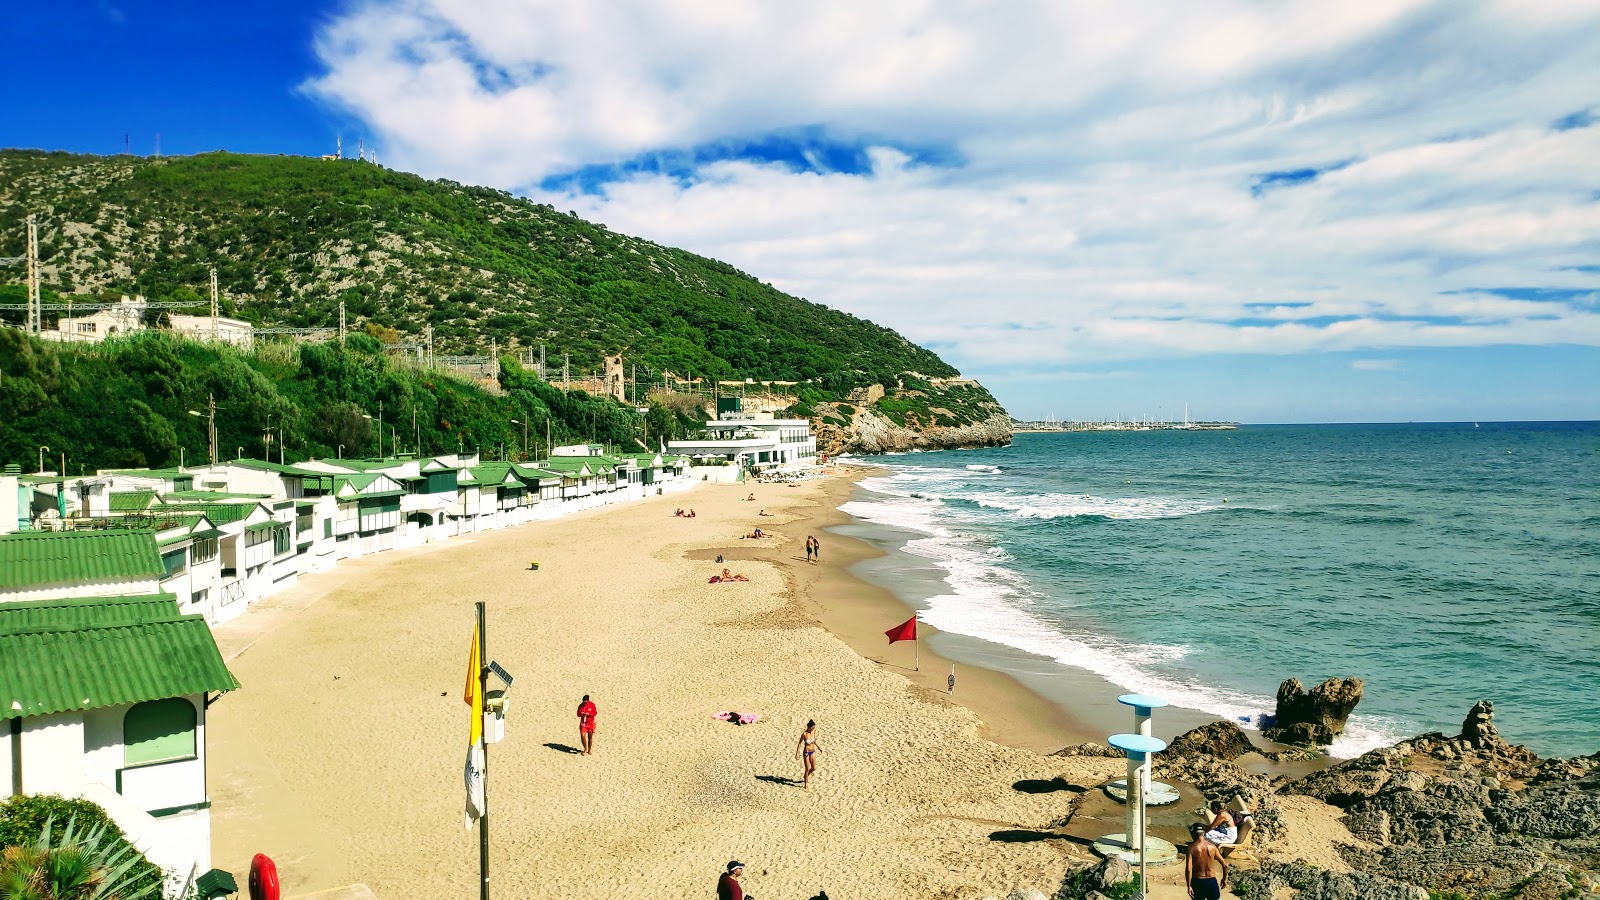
[174,562]
[199,597]
[280,540]
[204,550]
[159,731]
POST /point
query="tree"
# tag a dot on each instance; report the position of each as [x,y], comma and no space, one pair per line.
[344,424]
[661,425]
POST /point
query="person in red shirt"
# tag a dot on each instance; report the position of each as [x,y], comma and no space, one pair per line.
[728,886]
[586,726]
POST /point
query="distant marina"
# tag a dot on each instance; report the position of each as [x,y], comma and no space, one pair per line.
[1052,424]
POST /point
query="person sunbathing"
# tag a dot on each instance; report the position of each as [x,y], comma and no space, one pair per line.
[763,513]
[726,577]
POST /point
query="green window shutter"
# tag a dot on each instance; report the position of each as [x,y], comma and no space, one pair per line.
[327,528]
[159,731]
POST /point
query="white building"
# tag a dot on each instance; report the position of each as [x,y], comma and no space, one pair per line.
[126,317]
[759,444]
[121,721]
[204,328]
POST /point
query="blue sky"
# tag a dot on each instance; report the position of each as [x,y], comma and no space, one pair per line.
[1291,212]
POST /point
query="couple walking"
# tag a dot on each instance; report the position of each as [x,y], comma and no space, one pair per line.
[813,549]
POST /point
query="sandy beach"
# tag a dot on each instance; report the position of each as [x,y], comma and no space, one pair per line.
[342,755]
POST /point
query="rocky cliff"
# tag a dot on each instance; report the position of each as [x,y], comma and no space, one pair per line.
[924,416]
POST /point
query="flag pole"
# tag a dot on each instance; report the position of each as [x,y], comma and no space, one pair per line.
[483,821]
[916,644]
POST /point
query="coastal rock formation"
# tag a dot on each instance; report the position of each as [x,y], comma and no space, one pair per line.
[1311,883]
[1221,739]
[1089,748]
[1472,814]
[870,432]
[1315,717]
[1095,882]
[1478,729]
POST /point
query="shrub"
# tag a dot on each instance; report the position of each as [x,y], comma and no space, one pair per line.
[23,819]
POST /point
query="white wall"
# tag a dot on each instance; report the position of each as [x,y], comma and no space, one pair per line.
[118,588]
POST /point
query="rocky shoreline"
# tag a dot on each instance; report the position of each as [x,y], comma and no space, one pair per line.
[1436,817]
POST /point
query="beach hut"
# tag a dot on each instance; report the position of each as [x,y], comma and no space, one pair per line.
[105,698]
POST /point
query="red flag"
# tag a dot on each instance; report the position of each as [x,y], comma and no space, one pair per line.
[906,631]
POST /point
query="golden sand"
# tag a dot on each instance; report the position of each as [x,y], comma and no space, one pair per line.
[341,757]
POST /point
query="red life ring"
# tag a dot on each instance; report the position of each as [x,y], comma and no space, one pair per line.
[263,878]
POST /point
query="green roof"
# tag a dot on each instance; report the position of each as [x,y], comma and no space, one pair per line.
[218,513]
[538,473]
[567,465]
[490,472]
[132,501]
[79,612]
[265,526]
[36,558]
[360,482]
[65,666]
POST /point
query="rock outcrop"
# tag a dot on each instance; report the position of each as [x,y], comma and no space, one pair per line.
[1221,739]
[1314,717]
[917,414]
[1090,748]
[873,433]
[1311,883]
[1472,814]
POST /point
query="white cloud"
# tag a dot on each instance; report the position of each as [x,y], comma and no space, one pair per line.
[1374,365]
[1097,160]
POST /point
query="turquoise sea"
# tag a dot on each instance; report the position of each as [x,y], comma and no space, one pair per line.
[1442,563]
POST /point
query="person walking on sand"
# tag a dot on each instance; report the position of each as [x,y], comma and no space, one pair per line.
[586,726]
[728,886]
[816,550]
[1205,872]
[809,747]
[811,543]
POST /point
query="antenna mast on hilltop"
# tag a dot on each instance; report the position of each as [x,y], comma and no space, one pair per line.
[338,147]
[35,312]
[158,143]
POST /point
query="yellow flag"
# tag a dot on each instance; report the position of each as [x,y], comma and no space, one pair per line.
[474,693]
[474,774]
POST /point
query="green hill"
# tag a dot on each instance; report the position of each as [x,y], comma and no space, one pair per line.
[292,237]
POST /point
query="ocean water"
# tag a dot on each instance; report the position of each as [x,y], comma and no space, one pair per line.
[1442,563]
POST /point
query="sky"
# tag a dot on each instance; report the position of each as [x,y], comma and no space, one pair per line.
[1284,212]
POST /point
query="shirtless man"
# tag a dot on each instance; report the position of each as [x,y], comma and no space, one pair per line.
[1204,869]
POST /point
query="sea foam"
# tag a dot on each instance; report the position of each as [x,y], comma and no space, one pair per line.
[989,600]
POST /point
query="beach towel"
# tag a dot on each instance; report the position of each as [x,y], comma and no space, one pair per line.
[742,718]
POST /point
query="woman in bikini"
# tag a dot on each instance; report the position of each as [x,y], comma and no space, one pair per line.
[810,748]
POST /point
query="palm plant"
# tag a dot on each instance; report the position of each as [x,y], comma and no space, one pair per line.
[87,865]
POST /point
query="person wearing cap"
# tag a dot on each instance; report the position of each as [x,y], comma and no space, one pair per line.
[728,886]
[1205,872]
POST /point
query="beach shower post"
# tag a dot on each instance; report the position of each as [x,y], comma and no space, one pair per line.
[1135,844]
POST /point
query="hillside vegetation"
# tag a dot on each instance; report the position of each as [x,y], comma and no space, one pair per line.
[292,237]
[127,402]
